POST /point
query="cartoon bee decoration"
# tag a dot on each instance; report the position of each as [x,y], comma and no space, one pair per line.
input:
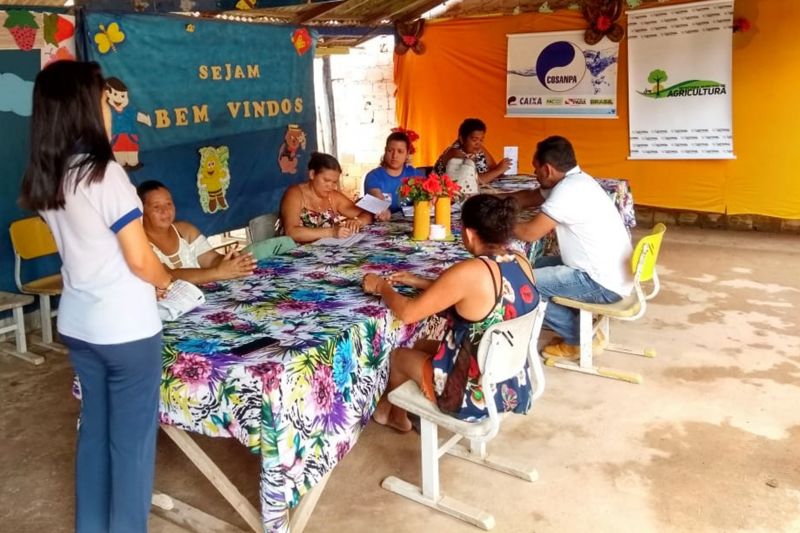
[213,178]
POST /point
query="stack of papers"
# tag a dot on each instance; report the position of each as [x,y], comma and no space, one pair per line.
[181,298]
[373,205]
[346,242]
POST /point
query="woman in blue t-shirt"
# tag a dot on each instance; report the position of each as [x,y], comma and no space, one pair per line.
[384,181]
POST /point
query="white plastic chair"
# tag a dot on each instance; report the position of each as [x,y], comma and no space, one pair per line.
[15,303]
[502,354]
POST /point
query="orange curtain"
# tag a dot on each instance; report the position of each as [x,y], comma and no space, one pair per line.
[462,74]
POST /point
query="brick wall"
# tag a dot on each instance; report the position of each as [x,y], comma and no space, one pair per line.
[647,217]
[364,104]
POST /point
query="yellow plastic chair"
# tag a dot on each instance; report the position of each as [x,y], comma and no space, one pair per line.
[31,238]
[643,264]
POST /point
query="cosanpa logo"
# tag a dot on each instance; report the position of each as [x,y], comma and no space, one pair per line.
[560,66]
[686,88]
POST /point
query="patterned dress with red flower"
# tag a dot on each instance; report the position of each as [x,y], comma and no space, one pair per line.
[456,375]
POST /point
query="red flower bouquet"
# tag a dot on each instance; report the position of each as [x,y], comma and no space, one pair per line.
[419,189]
[450,188]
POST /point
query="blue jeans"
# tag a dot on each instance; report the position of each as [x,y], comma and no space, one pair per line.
[116,433]
[553,278]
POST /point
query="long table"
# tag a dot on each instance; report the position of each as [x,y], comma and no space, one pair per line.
[302,402]
[618,190]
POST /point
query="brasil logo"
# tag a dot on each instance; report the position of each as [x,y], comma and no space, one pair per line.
[684,88]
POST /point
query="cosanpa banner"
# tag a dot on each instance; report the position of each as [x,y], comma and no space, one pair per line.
[680,81]
[222,113]
[556,74]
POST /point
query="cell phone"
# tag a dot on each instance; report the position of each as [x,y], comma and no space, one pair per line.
[252,346]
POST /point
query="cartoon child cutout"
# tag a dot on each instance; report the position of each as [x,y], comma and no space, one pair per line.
[294,142]
[213,178]
[124,131]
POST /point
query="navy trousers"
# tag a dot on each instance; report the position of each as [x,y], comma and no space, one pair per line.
[116,433]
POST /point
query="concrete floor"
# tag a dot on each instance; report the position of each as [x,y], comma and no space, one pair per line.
[709,442]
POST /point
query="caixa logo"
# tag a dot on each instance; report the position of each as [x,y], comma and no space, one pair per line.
[524,100]
[560,66]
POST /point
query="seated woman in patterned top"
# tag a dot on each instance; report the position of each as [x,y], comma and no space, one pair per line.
[469,145]
[495,285]
[316,209]
[180,245]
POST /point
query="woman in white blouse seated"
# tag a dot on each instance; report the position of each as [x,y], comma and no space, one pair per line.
[181,246]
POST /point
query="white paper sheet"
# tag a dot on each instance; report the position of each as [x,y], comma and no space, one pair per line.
[512,153]
[346,242]
[181,298]
[373,205]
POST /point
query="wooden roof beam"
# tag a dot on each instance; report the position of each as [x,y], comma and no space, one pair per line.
[315,11]
[420,6]
[417,9]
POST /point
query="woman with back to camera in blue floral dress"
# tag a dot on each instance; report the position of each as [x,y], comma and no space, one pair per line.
[496,285]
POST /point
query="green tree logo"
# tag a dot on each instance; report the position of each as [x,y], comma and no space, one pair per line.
[657,76]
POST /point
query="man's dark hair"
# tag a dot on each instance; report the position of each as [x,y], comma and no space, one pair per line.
[556,151]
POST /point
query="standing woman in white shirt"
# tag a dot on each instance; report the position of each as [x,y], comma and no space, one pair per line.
[107,314]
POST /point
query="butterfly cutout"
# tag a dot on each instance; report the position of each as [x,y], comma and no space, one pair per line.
[107,37]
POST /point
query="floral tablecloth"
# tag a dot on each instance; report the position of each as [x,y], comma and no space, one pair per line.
[618,190]
[301,403]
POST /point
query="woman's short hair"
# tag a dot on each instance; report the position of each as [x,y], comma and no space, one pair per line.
[319,162]
[398,136]
[469,126]
[149,186]
[493,218]
[67,121]
[395,136]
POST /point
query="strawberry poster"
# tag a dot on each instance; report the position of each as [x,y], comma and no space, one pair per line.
[28,41]
[51,34]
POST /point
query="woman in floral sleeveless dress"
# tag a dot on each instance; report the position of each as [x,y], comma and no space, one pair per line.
[477,293]
[316,209]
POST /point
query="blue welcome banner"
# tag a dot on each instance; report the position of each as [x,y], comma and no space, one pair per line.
[222,113]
